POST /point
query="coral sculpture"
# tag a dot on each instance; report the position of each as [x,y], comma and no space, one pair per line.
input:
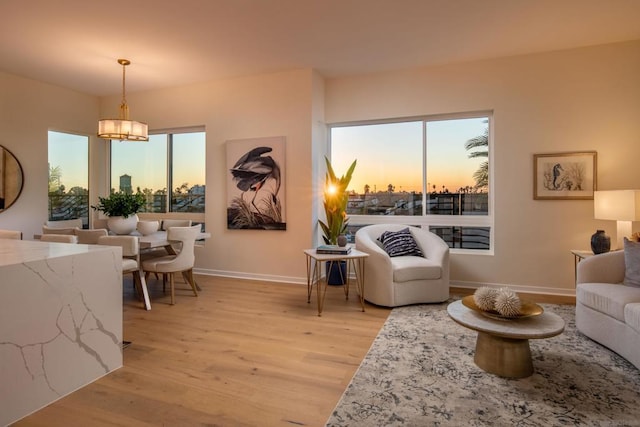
[507,303]
[485,298]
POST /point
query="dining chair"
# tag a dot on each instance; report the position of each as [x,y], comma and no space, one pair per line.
[182,262]
[59,230]
[90,237]
[130,262]
[65,223]
[11,234]
[59,238]
[168,223]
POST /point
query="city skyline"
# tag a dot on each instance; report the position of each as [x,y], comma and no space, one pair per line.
[447,161]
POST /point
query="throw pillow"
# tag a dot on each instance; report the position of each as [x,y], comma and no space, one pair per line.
[631,263]
[400,243]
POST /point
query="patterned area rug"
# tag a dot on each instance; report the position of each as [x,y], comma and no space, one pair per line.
[420,372]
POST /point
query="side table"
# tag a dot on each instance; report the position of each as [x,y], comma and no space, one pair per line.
[355,262]
[579,255]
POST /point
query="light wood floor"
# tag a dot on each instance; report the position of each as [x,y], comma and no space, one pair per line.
[244,353]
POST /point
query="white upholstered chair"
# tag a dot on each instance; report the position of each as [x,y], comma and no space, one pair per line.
[403,280]
[168,223]
[54,230]
[59,238]
[66,223]
[11,234]
[90,237]
[182,262]
[130,262]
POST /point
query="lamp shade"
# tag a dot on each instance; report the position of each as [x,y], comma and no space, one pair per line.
[618,205]
[123,130]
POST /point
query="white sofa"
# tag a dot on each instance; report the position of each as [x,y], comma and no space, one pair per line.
[403,280]
[606,310]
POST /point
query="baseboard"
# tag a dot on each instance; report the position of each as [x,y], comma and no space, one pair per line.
[562,294]
[517,288]
[251,276]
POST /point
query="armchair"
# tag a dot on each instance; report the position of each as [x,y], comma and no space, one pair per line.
[403,280]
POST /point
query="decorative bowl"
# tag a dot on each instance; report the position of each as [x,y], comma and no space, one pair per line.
[528,309]
[147,227]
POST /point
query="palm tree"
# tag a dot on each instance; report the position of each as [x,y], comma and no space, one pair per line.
[55,178]
[481,175]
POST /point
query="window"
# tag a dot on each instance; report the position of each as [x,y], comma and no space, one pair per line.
[169,170]
[431,172]
[68,177]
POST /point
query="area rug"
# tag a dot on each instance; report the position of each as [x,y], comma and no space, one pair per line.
[420,372]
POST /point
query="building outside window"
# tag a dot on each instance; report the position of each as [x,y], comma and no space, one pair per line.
[169,170]
[68,156]
[430,172]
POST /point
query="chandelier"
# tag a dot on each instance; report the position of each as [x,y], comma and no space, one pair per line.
[122,128]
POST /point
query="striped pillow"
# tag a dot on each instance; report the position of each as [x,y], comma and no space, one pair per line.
[400,243]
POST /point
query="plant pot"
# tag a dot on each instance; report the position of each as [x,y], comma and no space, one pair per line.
[120,225]
[336,273]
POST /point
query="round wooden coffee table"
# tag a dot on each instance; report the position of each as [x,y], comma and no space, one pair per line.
[502,346]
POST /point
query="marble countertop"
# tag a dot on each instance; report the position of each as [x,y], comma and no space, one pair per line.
[20,251]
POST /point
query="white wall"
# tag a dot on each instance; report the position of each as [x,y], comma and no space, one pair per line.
[278,104]
[575,100]
[28,110]
[582,99]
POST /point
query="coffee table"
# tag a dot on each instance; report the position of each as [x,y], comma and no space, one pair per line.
[502,346]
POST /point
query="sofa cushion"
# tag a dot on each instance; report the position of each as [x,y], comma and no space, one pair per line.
[399,243]
[632,316]
[406,268]
[631,263]
[607,298]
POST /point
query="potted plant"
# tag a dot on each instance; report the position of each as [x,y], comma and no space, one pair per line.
[335,203]
[335,209]
[121,208]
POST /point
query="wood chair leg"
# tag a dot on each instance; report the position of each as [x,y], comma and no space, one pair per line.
[173,291]
[188,275]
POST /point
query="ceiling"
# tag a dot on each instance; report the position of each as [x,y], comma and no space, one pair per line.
[75,43]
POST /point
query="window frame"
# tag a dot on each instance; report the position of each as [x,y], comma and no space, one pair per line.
[425,220]
[88,217]
[169,213]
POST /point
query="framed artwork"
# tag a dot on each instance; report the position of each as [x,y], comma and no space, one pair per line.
[256,184]
[564,176]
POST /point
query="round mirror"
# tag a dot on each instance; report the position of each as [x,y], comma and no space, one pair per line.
[11,178]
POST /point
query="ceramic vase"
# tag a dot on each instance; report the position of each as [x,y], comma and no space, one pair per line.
[600,242]
[121,225]
[342,240]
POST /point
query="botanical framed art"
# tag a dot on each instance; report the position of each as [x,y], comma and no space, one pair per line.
[256,184]
[564,176]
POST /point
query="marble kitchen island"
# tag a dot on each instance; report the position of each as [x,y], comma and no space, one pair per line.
[60,321]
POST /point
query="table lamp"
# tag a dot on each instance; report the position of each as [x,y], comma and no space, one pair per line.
[622,206]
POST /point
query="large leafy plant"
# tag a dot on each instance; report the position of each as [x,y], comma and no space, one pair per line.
[335,203]
[120,204]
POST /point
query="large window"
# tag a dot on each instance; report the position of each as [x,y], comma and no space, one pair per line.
[68,177]
[169,170]
[431,172]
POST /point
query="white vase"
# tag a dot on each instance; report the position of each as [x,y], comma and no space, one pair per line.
[121,225]
[148,227]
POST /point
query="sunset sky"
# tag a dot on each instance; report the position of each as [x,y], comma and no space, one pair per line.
[392,154]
